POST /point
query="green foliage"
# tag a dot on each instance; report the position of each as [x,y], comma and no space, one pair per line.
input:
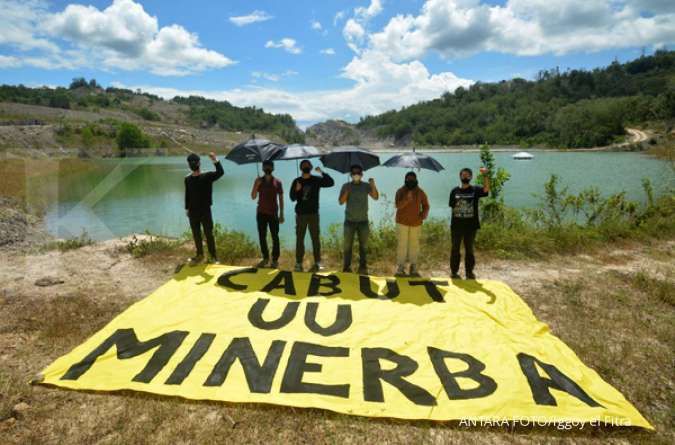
[130,136]
[60,100]
[70,244]
[576,108]
[493,205]
[150,244]
[233,246]
[148,115]
[210,113]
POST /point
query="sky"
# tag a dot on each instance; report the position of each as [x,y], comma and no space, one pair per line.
[319,59]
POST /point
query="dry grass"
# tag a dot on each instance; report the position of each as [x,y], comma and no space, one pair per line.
[618,320]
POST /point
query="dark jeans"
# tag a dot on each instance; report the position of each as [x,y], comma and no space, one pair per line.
[361,229]
[468,236]
[273,222]
[302,223]
[202,219]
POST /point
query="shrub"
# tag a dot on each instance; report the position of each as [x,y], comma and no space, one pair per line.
[70,244]
[139,248]
[130,136]
[232,245]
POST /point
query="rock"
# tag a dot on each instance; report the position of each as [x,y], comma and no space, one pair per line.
[19,410]
[48,281]
[333,132]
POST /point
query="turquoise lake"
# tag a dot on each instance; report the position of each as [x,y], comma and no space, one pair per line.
[138,194]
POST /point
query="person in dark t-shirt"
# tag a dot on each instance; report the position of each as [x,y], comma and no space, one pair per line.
[465,220]
[198,200]
[269,192]
[305,192]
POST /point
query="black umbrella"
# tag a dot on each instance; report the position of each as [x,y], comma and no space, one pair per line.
[298,151]
[342,158]
[414,160]
[254,150]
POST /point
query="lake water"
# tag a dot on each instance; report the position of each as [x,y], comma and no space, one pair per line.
[138,194]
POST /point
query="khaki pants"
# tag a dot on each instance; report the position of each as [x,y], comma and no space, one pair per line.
[408,244]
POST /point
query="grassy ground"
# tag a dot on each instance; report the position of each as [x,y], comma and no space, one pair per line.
[614,308]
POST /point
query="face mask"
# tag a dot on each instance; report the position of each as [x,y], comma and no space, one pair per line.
[267,171]
[356,178]
[466,180]
[306,169]
[411,184]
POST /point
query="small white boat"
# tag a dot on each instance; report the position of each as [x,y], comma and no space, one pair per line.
[523,156]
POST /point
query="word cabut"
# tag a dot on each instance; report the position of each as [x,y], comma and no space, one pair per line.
[470,383]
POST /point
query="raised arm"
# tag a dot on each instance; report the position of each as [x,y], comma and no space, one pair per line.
[374,193]
[486,181]
[214,176]
[326,180]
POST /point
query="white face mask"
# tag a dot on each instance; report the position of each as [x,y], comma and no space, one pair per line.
[356,178]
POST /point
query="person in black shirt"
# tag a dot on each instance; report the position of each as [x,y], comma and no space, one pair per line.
[198,200]
[305,192]
[465,221]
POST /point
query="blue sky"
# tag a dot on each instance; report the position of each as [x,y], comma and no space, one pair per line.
[319,59]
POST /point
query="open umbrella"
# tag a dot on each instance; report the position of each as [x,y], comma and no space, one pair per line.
[342,158]
[414,160]
[254,150]
[296,152]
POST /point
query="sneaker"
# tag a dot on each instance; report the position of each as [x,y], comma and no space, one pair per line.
[317,267]
[262,263]
[298,267]
[413,271]
[455,276]
[363,270]
[274,264]
[212,260]
[470,276]
[400,271]
[196,260]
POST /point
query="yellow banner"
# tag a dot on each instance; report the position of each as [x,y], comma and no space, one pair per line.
[410,348]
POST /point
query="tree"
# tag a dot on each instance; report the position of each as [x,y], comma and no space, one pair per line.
[130,136]
[59,100]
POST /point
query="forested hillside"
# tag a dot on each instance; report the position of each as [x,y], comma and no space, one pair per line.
[575,108]
[193,111]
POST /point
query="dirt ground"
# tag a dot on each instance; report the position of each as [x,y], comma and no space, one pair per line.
[612,308]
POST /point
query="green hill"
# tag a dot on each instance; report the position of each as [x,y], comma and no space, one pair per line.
[575,108]
[87,115]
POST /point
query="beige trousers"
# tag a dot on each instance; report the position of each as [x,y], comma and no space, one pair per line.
[408,244]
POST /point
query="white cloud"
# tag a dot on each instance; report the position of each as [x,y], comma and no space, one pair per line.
[121,36]
[255,16]
[526,27]
[287,44]
[339,16]
[273,77]
[372,10]
[379,85]
[328,51]
[18,22]
[353,32]
[9,62]
[316,25]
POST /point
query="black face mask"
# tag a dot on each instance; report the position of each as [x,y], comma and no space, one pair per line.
[267,171]
[411,183]
[466,180]
[306,169]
